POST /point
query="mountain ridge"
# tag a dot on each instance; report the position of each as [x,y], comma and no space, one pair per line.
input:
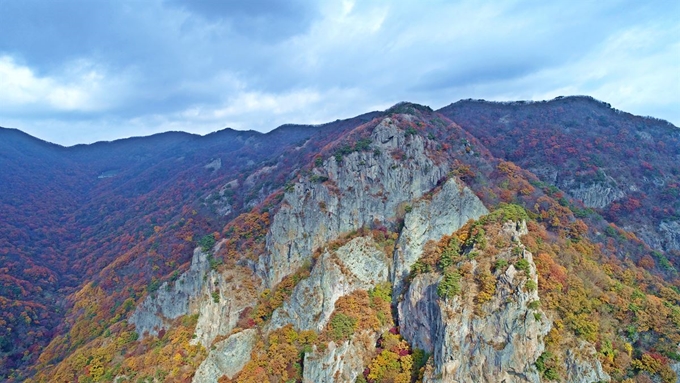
[282,127]
[142,227]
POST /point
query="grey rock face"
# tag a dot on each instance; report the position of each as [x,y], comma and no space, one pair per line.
[446,212]
[339,363]
[361,188]
[583,366]
[676,366]
[499,341]
[192,293]
[670,232]
[235,294]
[597,195]
[214,165]
[168,303]
[501,344]
[228,357]
[663,237]
[420,313]
[358,265]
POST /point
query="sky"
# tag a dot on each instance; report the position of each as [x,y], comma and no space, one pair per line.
[80,71]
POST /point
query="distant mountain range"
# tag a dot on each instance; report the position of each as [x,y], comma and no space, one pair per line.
[525,241]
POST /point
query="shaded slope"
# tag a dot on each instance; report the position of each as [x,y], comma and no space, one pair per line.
[623,166]
[67,213]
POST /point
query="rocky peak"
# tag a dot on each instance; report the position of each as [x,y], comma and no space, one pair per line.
[357,189]
[497,340]
[429,219]
[357,265]
[494,329]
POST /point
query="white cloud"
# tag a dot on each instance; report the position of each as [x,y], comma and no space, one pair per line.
[22,87]
[262,111]
[276,104]
[163,66]
[80,87]
[636,71]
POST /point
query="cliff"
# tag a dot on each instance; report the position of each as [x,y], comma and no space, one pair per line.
[493,331]
[357,189]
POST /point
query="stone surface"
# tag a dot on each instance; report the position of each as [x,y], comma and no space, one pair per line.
[192,293]
[339,363]
[663,237]
[670,233]
[361,187]
[498,341]
[676,368]
[357,265]
[419,312]
[500,344]
[227,358]
[236,293]
[583,366]
[214,165]
[430,219]
[597,195]
[167,303]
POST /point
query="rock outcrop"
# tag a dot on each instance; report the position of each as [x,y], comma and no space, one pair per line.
[218,298]
[360,188]
[339,363]
[495,341]
[583,366]
[670,233]
[171,301]
[499,341]
[227,358]
[420,314]
[430,219]
[357,265]
[221,302]
[597,195]
[676,368]
[664,237]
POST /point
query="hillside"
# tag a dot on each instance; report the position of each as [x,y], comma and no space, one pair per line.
[623,166]
[66,213]
[528,241]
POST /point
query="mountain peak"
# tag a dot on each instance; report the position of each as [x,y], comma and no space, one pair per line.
[406,107]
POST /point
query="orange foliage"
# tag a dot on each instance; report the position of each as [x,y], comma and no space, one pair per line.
[646,262]
[275,359]
[170,357]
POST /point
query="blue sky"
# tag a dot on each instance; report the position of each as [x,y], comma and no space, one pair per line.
[90,70]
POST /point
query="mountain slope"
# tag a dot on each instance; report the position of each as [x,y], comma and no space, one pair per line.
[622,165]
[67,213]
[396,246]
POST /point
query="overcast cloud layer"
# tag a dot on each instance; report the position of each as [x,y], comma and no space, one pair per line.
[83,71]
